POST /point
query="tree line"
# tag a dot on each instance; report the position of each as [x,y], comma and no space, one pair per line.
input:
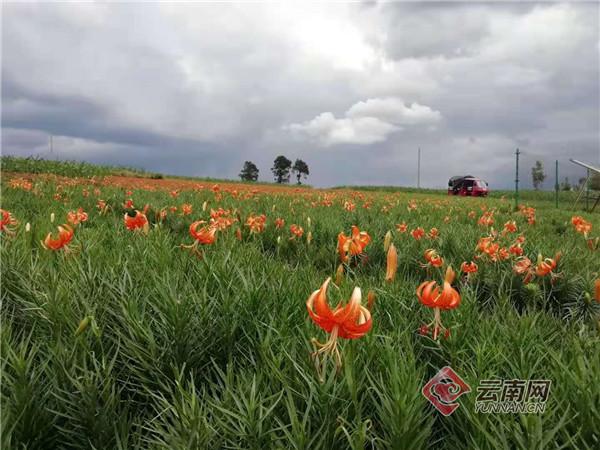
[538,176]
[282,170]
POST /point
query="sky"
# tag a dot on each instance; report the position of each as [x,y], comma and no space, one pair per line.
[353,89]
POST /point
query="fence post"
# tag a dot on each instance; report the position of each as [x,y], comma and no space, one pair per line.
[517,153]
[556,187]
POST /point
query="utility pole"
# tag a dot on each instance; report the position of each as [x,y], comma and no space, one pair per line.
[517,153]
[556,187]
[419,168]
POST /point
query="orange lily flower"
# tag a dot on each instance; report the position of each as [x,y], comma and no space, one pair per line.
[186,209]
[102,206]
[352,245]
[392,263]
[432,258]
[279,223]
[546,266]
[510,227]
[76,217]
[205,235]
[489,247]
[487,219]
[137,222]
[597,290]
[256,223]
[7,221]
[161,215]
[349,206]
[516,249]
[503,254]
[430,295]
[402,227]
[418,233]
[351,321]
[65,235]
[297,231]
[434,233]
[128,204]
[469,267]
[220,219]
[581,225]
[524,267]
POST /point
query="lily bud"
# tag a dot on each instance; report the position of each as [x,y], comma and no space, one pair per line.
[339,274]
[52,217]
[370,299]
[308,221]
[83,325]
[278,240]
[309,237]
[597,290]
[204,205]
[27,227]
[387,241]
[392,263]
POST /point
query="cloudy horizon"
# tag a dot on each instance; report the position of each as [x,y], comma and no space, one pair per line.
[353,89]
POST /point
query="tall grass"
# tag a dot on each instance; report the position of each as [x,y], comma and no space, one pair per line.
[66,168]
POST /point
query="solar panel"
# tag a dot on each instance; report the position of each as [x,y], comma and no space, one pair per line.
[587,166]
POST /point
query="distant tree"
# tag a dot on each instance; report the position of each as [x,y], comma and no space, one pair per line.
[565,185]
[281,169]
[300,168]
[594,182]
[249,172]
[538,175]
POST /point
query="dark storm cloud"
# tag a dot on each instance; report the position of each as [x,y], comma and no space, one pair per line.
[353,89]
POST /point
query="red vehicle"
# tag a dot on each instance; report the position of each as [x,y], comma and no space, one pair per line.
[467,185]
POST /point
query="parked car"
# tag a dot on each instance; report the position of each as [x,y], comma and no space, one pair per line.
[467,185]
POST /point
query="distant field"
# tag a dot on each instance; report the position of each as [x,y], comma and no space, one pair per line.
[12,164]
[565,198]
[141,334]
[83,169]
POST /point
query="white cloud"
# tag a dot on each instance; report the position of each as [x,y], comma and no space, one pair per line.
[393,110]
[366,122]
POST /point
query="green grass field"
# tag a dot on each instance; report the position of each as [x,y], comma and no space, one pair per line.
[130,342]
